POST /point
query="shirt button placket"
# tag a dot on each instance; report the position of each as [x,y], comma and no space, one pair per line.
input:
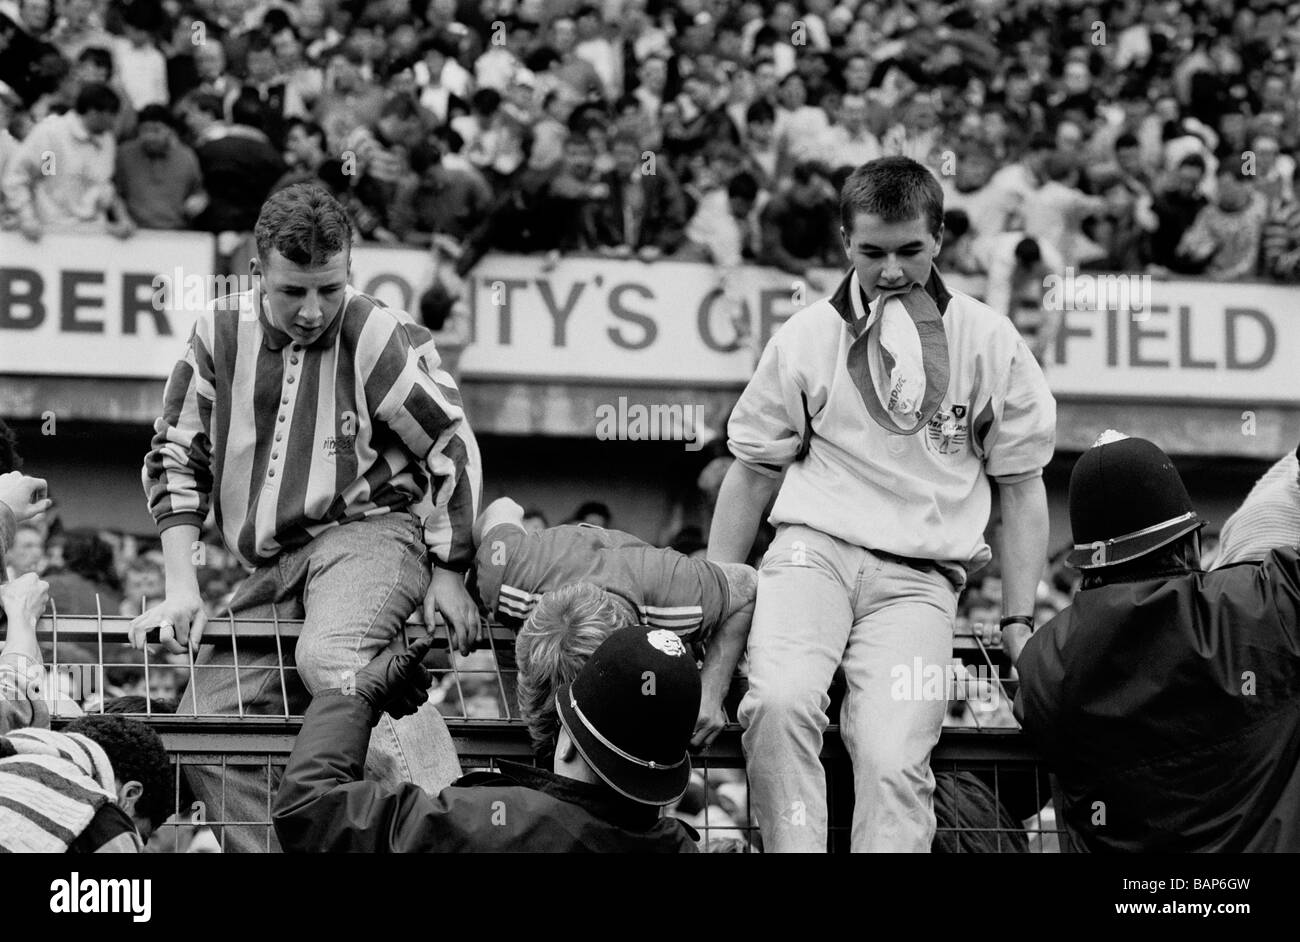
[290,379]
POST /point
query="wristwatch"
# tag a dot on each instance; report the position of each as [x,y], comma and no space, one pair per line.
[1026,620]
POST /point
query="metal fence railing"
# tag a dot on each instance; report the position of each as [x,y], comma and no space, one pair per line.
[992,793]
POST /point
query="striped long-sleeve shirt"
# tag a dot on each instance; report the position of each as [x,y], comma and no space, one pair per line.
[285,441]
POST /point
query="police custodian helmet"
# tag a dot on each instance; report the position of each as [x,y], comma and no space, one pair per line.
[1126,500]
[631,712]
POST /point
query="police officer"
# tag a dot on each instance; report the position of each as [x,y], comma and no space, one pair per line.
[625,721]
[1165,698]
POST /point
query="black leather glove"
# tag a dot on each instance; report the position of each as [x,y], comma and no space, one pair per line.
[396,684]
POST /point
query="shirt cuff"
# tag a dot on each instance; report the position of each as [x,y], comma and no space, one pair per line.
[766,470]
[179,518]
[1018,478]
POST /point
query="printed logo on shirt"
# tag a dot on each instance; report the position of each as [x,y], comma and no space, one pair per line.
[338,444]
[948,431]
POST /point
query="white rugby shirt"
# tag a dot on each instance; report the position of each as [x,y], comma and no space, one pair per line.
[924,495]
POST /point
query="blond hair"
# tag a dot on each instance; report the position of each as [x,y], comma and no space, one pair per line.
[565,627]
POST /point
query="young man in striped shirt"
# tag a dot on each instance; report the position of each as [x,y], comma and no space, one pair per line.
[334,453]
[706,604]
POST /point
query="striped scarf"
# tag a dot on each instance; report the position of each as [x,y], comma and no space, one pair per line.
[51,786]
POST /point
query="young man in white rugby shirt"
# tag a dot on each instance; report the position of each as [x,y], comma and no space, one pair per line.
[888,407]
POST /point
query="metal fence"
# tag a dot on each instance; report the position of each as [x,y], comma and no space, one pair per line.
[981,754]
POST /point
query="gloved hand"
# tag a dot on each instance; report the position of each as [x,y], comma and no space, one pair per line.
[394,683]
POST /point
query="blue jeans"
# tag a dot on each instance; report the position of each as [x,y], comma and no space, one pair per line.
[354,587]
[823,603]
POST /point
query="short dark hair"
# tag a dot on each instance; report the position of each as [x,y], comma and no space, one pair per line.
[805,170]
[894,188]
[400,64]
[277,21]
[147,16]
[87,555]
[539,60]
[743,186]
[137,754]
[760,112]
[452,142]
[97,56]
[1028,252]
[1193,160]
[157,113]
[97,97]
[592,507]
[956,223]
[486,101]
[304,223]
[425,154]
[1126,141]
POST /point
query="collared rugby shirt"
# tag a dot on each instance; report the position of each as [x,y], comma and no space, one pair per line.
[922,494]
[284,442]
[513,569]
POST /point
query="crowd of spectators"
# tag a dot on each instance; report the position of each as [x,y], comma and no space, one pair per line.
[1131,136]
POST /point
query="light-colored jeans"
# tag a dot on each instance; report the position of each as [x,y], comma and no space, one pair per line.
[354,587]
[823,602]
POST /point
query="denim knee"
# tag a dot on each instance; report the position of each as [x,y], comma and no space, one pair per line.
[786,704]
[323,666]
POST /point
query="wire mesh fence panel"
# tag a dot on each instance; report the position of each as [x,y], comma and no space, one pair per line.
[991,794]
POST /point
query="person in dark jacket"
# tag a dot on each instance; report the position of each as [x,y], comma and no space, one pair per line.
[87,573]
[239,168]
[1165,698]
[799,224]
[645,211]
[625,721]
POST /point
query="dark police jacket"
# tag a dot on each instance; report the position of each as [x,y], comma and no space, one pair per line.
[323,805]
[1170,709]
